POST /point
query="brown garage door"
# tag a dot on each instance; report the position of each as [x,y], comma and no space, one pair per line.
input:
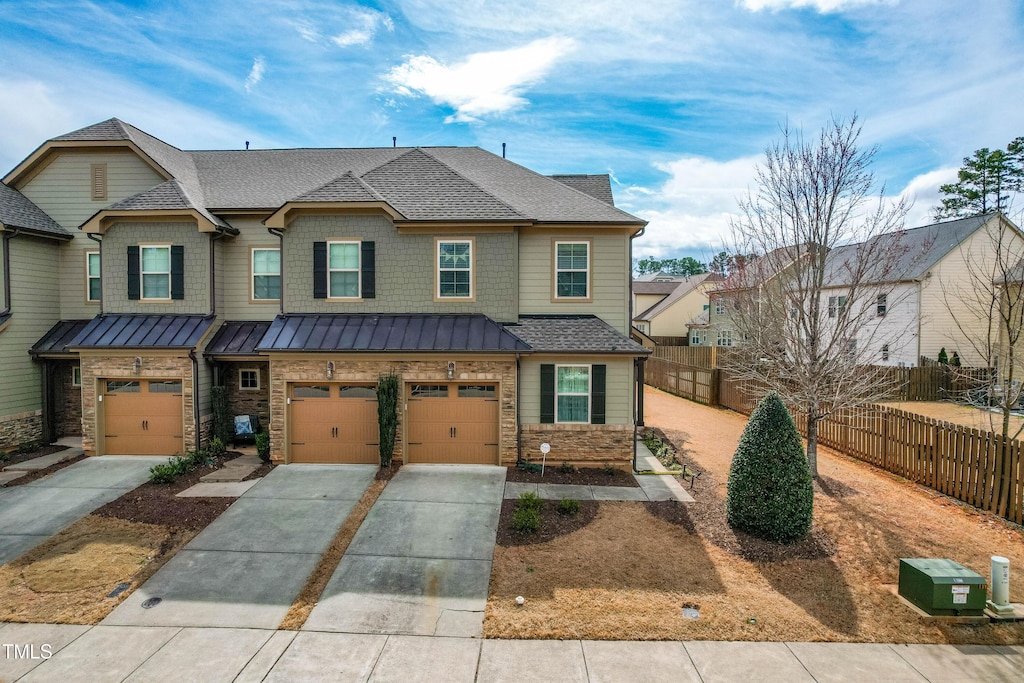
[334,423]
[453,423]
[142,417]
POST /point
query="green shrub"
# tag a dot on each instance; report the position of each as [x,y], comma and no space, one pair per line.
[180,465]
[525,520]
[568,506]
[216,447]
[943,358]
[4,456]
[387,415]
[164,473]
[223,422]
[566,468]
[770,492]
[263,446]
[529,501]
[609,469]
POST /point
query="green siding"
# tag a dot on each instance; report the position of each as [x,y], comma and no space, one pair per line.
[618,386]
[405,269]
[63,190]
[115,267]
[610,276]
[34,310]
[233,285]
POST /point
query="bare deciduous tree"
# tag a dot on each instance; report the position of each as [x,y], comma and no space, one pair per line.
[810,313]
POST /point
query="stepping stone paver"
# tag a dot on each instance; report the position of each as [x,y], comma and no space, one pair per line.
[44,461]
[234,470]
[218,489]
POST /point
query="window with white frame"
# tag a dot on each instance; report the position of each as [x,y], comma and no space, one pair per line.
[698,337]
[836,305]
[266,274]
[885,352]
[572,270]
[719,306]
[881,304]
[572,393]
[343,270]
[156,272]
[92,276]
[248,379]
[454,269]
[725,338]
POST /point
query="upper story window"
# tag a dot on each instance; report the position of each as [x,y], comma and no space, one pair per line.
[156,271]
[93,284]
[572,393]
[719,307]
[343,270]
[572,270]
[836,305]
[454,269]
[266,274]
[725,338]
[881,304]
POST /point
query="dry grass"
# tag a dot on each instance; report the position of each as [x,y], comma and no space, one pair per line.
[628,574]
[958,414]
[66,579]
[317,581]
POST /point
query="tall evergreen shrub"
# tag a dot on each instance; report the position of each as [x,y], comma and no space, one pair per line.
[387,415]
[223,421]
[769,492]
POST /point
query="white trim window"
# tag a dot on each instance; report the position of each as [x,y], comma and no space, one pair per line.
[454,269]
[719,306]
[572,270]
[698,337]
[572,393]
[155,265]
[93,284]
[881,305]
[249,379]
[266,274]
[343,270]
[836,305]
[885,352]
[724,338]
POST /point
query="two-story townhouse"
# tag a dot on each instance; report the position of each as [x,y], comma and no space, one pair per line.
[670,315]
[295,278]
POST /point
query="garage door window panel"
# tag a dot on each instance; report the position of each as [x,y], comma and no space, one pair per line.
[357,391]
[486,391]
[122,387]
[317,391]
[165,387]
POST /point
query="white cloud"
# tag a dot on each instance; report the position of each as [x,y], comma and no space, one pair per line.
[823,6]
[361,26]
[482,84]
[259,67]
[923,192]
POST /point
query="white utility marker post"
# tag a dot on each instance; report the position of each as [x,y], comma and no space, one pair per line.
[545,448]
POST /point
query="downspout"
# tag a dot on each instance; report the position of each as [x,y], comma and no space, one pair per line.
[195,395]
[280,236]
[519,425]
[7,237]
[99,242]
[213,272]
[636,378]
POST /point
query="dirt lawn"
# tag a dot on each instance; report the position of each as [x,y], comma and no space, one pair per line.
[629,574]
[958,414]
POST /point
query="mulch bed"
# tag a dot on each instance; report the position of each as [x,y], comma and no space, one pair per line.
[158,503]
[39,474]
[585,476]
[552,524]
[388,473]
[15,458]
[706,516]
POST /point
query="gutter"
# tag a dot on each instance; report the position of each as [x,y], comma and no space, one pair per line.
[6,246]
[279,233]
[195,396]
[213,272]
[629,323]
[519,425]
[99,242]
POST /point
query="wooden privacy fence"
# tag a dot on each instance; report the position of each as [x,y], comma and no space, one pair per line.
[978,467]
[695,356]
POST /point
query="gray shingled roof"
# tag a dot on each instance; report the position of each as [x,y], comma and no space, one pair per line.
[347,188]
[678,293]
[134,331]
[598,186]
[664,288]
[18,211]
[573,334]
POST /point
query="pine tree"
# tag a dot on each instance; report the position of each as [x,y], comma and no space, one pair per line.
[985,182]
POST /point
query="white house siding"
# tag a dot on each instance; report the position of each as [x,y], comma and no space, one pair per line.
[63,190]
[35,308]
[619,386]
[898,329]
[610,276]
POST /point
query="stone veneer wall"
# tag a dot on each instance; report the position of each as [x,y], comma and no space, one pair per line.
[312,369]
[246,401]
[95,368]
[21,429]
[579,444]
[68,399]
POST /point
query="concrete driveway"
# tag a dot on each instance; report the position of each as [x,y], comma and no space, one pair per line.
[248,566]
[420,564]
[33,512]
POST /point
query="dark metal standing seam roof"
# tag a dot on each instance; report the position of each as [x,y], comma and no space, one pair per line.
[56,341]
[237,338]
[142,331]
[409,332]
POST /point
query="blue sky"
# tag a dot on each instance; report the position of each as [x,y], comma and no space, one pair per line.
[676,99]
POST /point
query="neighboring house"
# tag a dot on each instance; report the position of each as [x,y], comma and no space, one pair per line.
[141,275]
[669,316]
[926,304]
[647,290]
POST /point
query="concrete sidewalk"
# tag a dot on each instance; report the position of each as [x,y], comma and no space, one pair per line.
[33,512]
[134,653]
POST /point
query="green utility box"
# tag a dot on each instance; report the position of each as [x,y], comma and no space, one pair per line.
[942,587]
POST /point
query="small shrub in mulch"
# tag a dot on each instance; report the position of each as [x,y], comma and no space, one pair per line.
[585,476]
[552,524]
[568,506]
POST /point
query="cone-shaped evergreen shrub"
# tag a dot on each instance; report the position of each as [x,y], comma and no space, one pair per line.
[770,493]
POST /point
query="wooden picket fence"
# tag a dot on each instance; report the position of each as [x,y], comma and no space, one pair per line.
[978,467]
[704,357]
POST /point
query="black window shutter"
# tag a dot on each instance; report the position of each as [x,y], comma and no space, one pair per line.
[547,393]
[369,277]
[134,273]
[597,382]
[177,271]
[319,270]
